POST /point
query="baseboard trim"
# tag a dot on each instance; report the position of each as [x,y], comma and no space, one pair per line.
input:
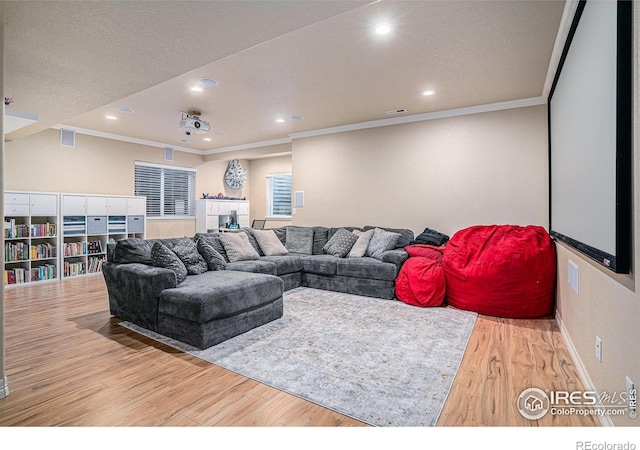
[4,387]
[582,371]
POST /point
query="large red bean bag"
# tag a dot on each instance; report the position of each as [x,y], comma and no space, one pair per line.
[421,279]
[501,270]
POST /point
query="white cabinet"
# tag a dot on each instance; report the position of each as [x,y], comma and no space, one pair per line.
[89,222]
[30,237]
[213,214]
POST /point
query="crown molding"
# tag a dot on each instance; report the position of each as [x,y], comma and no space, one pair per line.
[511,104]
[235,148]
[117,137]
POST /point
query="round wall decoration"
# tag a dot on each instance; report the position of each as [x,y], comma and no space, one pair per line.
[235,176]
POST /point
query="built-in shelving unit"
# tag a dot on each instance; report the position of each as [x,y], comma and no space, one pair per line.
[213,214]
[30,237]
[90,221]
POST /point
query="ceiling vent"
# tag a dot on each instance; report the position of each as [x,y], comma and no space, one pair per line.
[397,111]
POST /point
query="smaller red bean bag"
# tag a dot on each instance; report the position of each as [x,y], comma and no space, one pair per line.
[421,279]
[501,270]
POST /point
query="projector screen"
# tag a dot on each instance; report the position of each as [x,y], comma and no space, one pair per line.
[590,135]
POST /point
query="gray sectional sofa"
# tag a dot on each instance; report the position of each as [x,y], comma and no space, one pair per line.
[240,288]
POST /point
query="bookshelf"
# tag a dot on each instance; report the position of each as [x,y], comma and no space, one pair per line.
[30,237]
[89,222]
[210,211]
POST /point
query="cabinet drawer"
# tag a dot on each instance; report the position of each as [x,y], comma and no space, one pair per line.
[44,204]
[135,224]
[97,225]
[16,210]
[11,197]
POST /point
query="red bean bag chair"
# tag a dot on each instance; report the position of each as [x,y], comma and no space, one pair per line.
[421,279]
[501,270]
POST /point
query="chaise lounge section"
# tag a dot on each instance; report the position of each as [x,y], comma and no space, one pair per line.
[241,283]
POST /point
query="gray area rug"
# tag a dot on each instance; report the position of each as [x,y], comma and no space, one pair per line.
[382,362]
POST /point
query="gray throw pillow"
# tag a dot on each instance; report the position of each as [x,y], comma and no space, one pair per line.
[299,240]
[132,250]
[359,249]
[188,253]
[381,242]
[161,256]
[238,247]
[269,243]
[215,261]
[340,243]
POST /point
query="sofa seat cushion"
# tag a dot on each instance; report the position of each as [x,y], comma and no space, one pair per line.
[366,267]
[253,266]
[219,294]
[285,264]
[319,264]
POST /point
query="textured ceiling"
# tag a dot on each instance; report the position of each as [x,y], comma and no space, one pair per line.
[73,63]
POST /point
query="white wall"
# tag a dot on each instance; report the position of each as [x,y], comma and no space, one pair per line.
[446,174]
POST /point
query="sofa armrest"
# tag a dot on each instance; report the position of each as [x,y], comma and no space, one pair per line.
[134,291]
[397,257]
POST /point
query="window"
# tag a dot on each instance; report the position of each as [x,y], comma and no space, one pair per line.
[170,190]
[279,195]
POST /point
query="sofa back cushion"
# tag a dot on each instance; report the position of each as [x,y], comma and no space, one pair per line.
[299,240]
[269,243]
[238,247]
[135,250]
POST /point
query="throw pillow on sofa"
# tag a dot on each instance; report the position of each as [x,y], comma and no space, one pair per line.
[161,256]
[269,243]
[215,261]
[238,247]
[381,242]
[359,249]
[188,253]
[340,243]
[299,240]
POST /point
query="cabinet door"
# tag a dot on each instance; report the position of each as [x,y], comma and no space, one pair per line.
[16,198]
[44,204]
[74,205]
[117,206]
[212,207]
[223,208]
[136,206]
[243,208]
[96,206]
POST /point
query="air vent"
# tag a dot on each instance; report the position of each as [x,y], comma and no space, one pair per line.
[168,154]
[397,111]
[67,138]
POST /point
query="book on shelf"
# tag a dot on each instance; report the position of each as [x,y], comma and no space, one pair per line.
[13,230]
[44,230]
[95,264]
[16,276]
[43,251]
[46,272]
[94,247]
[75,248]
[72,269]
[16,251]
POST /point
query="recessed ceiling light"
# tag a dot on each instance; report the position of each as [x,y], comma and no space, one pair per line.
[196,89]
[280,120]
[428,93]
[206,139]
[382,29]
[208,81]
[297,118]
[111,117]
[126,110]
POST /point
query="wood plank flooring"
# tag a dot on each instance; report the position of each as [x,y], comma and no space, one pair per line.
[69,363]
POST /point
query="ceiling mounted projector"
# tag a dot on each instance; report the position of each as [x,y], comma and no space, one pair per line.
[192,123]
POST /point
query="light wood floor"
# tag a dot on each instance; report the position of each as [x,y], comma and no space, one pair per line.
[69,363]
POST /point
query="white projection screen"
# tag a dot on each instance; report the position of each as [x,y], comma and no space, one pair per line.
[590,134]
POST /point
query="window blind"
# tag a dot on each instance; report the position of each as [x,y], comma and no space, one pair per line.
[279,195]
[170,190]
